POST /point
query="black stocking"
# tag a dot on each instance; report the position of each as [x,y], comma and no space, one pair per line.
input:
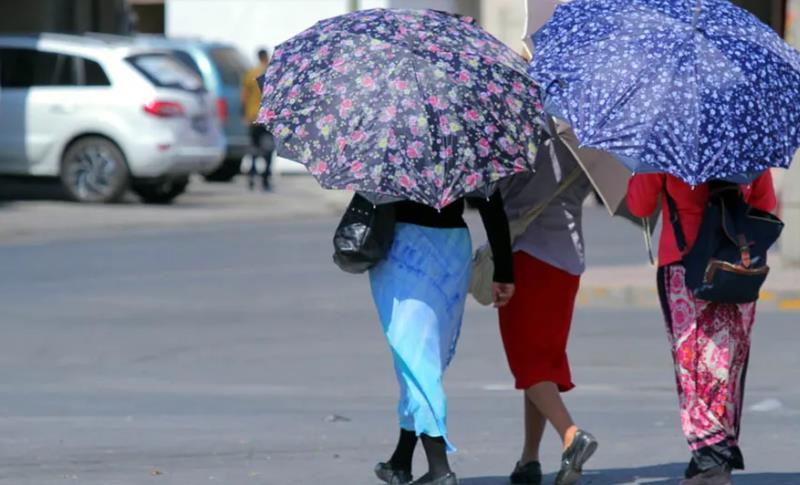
[436,451]
[404,453]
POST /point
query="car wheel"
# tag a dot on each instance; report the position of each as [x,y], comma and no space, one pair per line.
[229,168]
[162,192]
[93,169]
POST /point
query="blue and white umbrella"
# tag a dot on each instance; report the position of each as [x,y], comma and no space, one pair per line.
[699,89]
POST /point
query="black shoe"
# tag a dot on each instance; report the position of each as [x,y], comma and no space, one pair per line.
[582,448]
[719,475]
[692,470]
[385,472]
[449,479]
[530,473]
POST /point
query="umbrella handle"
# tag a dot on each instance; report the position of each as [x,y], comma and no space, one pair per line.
[648,239]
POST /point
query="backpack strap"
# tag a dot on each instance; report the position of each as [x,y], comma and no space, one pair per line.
[674,219]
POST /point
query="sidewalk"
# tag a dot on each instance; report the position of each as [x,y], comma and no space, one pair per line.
[295,197]
[635,286]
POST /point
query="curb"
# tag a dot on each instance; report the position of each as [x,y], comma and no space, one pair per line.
[647,298]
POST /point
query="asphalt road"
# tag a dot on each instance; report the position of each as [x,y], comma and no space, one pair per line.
[238,354]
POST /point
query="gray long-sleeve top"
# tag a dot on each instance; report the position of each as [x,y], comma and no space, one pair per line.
[556,236]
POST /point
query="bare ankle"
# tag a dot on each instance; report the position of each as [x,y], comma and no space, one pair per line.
[569,436]
[529,456]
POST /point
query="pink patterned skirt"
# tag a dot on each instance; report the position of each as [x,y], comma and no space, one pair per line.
[710,348]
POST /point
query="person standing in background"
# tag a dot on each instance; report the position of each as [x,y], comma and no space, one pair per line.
[261,139]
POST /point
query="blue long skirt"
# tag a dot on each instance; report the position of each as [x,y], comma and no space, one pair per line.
[419,291]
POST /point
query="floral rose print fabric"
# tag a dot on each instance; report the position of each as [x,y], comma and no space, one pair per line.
[417,105]
[710,348]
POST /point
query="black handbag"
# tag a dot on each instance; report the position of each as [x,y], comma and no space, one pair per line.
[364,235]
[728,262]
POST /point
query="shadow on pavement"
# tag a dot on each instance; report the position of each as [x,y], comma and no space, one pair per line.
[667,474]
[30,188]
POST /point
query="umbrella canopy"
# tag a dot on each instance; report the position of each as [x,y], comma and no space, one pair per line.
[419,105]
[608,177]
[699,89]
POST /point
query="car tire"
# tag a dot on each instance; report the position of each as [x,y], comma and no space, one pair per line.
[230,168]
[162,192]
[94,169]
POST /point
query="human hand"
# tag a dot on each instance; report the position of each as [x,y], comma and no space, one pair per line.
[502,293]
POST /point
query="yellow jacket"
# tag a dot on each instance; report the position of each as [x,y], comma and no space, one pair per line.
[251,95]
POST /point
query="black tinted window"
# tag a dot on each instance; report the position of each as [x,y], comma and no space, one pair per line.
[23,68]
[94,75]
[230,64]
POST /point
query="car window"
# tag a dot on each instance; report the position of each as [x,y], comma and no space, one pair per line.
[187,59]
[165,71]
[230,63]
[25,68]
[94,75]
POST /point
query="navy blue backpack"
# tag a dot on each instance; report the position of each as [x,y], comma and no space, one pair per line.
[728,262]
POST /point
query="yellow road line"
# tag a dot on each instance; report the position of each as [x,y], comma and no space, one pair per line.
[790,305]
[767,296]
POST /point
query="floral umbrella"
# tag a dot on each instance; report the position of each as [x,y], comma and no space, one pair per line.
[402,104]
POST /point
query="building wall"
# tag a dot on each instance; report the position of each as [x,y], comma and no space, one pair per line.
[250,25]
[65,16]
[790,179]
[793,23]
[505,19]
[149,18]
[247,24]
[771,12]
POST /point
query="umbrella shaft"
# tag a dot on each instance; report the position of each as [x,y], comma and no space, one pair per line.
[697,9]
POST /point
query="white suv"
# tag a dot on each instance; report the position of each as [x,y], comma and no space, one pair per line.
[104,117]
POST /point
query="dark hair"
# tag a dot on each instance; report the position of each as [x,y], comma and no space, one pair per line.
[263,55]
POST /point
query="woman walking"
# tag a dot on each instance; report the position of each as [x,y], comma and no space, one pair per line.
[548,261]
[419,291]
[710,342]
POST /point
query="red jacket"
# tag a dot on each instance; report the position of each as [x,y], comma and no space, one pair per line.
[644,191]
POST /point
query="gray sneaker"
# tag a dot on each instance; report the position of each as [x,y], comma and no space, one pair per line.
[572,460]
[720,475]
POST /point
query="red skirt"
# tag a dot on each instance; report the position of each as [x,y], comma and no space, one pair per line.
[535,324]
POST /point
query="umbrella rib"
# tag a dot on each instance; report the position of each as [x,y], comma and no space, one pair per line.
[432,121]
